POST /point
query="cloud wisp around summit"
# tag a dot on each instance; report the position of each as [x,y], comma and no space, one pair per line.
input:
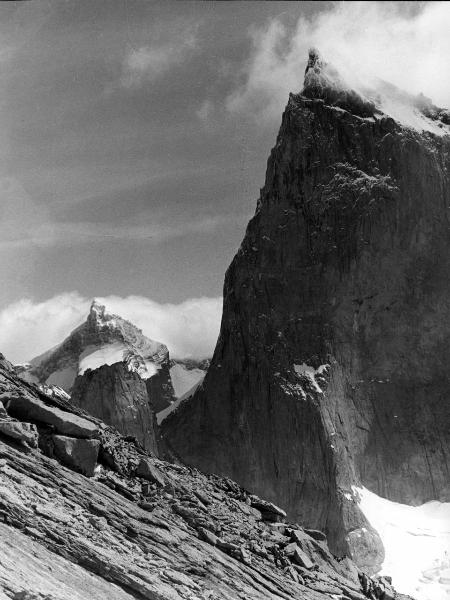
[407,45]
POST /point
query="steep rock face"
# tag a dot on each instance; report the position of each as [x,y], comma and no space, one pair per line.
[330,369]
[160,389]
[119,397]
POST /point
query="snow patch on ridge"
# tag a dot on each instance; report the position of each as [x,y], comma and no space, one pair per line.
[310,372]
[416,541]
[410,116]
[94,357]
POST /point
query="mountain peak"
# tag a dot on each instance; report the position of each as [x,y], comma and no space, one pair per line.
[97,310]
[374,100]
[321,76]
[104,338]
[315,61]
[99,316]
[324,82]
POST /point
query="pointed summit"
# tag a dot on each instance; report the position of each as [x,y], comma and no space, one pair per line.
[320,76]
[323,82]
[97,310]
[315,61]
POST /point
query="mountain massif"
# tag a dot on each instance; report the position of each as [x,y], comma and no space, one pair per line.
[109,368]
[330,373]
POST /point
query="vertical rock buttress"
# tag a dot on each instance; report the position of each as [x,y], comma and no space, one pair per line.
[331,365]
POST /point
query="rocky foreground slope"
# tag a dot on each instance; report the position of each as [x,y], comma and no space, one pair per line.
[136,527]
[331,367]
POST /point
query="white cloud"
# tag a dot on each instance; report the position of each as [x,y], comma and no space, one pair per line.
[205,110]
[147,63]
[190,328]
[29,328]
[407,45]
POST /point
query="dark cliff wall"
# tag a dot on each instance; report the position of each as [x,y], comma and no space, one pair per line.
[346,263]
[160,388]
[118,397]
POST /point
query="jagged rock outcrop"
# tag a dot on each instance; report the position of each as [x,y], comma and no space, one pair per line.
[142,528]
[330,370]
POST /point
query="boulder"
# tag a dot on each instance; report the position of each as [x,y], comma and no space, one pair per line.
[365,544]
[207,536]
[23,432]
[79,454]
[301,559]
[65,423]
[298,535]
[147,470]
[290,549]
[317,535]
[268,510]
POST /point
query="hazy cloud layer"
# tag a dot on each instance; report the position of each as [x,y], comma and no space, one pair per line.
[407,44]
[189,329]
[24,223]
[45,234]
[147,63]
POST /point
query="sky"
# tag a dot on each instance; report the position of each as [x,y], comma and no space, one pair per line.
[135,136]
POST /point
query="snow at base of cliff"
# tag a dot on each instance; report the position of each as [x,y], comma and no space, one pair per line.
[416,541]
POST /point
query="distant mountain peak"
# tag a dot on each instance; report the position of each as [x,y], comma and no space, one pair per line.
[315,65]
[106,339]
[97,310]
[103,338]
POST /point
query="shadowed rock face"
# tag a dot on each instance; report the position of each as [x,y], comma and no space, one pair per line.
[119,397]
[331,365]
